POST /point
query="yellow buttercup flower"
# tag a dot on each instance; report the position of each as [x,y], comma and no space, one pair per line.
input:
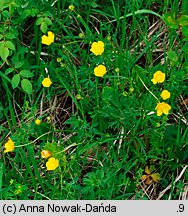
[47,40]
[158,77]
[46,82]
[100,71]
[45,154]
[52,163]
[37,121]
[71,7]
[162,108]
[9,146]
[165,94]
[97,48]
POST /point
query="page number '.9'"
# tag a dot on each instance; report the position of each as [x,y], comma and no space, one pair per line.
[181,208]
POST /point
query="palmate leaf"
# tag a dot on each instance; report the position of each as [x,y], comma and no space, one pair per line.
[147,170]
[183,20]
[144,177]
[172,55]
[156,177]
[170,20]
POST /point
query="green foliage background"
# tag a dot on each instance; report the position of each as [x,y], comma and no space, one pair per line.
[104,131]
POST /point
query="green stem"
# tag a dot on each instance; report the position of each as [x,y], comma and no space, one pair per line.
[34,140]
[148,89]
[138,12]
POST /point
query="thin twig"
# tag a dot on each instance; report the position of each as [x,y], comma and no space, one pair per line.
[176,180]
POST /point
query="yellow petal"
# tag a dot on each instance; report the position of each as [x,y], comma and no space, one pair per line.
[154,81]
[45,154]
[159,112]
[51,36]
[52,163]
[45,40]
[100,43]
[166,109]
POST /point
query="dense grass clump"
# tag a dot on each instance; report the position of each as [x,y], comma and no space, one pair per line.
[93,99]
